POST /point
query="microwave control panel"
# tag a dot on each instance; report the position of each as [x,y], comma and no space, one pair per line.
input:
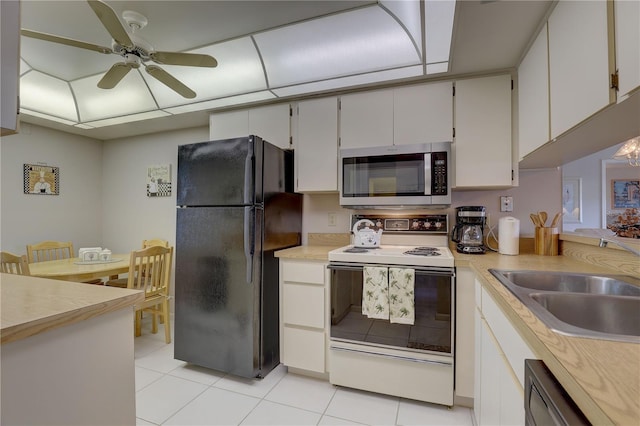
[439,176]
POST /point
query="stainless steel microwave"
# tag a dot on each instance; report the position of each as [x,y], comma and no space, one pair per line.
[396,176]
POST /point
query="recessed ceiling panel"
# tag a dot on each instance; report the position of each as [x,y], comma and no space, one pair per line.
[354,42]
[355,80]
[24,67]
[128,118]
[408,12]
[130,96]
[48,95]
[438,29]
[239,71]
[223,102]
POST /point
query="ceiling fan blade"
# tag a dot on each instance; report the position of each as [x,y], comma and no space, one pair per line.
[190,59]
[170,81]
[64,40]
[111,22]
[114,75]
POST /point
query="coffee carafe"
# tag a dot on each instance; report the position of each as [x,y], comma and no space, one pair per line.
[468,231]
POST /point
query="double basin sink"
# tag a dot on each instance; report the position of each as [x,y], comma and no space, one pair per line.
[583,305]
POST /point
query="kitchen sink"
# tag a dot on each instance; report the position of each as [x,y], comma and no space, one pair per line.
[570,282]
[584,305]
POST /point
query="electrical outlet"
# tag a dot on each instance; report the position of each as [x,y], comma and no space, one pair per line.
[506,204]
[332,219]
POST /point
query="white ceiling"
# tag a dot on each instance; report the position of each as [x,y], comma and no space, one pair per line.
[488,36]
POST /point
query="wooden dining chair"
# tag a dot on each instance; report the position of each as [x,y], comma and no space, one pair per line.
[14,264]
[122,282]
[150,271]
[49,250]
[53,250]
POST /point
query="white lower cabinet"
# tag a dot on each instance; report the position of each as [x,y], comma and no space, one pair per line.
[499,365]
[303,316]
[465,339]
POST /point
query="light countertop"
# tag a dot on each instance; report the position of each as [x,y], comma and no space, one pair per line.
[31,305]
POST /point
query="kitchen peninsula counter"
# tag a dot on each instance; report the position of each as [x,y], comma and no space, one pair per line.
[59,340]
[603,377]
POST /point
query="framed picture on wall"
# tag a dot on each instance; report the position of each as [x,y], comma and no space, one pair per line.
[159,180]
[572,200]
[41,180]
[625,194]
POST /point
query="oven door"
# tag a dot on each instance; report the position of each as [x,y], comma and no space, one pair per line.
[433,328]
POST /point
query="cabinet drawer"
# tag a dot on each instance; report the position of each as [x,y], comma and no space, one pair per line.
[310,273]
[304,349]
[303,305]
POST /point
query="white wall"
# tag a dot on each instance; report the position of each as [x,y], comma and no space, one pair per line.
[129,215]
[538,190]
[76,214]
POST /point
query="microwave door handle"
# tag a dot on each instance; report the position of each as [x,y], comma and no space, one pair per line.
[427,173]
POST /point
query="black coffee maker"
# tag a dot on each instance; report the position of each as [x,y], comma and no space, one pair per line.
[468,231]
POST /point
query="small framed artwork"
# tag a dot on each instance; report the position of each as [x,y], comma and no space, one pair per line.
[625,194]
[41,180]
[572,200]
[159,180]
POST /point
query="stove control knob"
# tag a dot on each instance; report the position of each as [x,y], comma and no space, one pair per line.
[438,224]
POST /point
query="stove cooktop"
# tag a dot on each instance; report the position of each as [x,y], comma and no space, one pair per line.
[395,255]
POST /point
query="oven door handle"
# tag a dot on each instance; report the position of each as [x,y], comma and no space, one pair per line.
[396,357]
[430,270]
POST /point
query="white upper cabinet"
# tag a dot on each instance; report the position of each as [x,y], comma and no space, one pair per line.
[10,16]
[316,145]
[366,119]
[402,116]
[482,145]
[533,97]
[627,16]
[579,74]
[226,125]
[271,123]
[423,113]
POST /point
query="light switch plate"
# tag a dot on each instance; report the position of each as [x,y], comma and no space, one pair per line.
[506,204]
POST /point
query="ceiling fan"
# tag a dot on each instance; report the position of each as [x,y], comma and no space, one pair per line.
[134,50]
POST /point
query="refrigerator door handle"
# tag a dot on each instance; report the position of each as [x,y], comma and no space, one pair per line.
[248,176]
[249,240]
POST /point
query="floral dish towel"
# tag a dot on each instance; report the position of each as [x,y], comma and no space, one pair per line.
[375,292]
[401,295]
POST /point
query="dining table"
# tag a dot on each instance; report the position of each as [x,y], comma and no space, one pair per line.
[75,269]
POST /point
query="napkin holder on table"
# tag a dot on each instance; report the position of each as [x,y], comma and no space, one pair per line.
[89,254]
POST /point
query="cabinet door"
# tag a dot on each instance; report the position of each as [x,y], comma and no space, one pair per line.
[491,366]
[9,78]
[627,16]
[226,125]
[304,349]
[423,113]
[511,397]
[465,341]
[316,145]
[272,123]
[533,97]
[477,365]
[482,146]
[366,119]
[578,62]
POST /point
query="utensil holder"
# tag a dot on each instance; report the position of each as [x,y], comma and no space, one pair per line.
[546,241]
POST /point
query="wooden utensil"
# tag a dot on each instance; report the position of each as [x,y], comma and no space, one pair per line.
[535,219]
[556,219]
[543,218]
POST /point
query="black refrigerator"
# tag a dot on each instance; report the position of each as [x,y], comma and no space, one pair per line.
[235,208]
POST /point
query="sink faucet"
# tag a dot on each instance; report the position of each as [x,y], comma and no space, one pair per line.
[605,241]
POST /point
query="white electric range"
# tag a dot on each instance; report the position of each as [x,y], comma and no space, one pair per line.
[412,359]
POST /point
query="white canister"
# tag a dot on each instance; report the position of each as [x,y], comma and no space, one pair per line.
[105,255]
[509,235]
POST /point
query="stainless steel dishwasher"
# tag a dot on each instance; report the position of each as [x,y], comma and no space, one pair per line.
[545,401]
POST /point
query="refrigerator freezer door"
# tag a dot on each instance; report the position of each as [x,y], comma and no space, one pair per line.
[220,173]
[217,311]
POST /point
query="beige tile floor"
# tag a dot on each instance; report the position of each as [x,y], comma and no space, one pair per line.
[171,392]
